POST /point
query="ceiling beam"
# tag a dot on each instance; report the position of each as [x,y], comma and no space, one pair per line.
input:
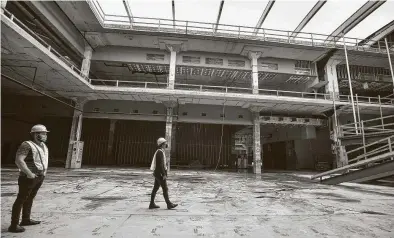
[378,35]
[362,13]
[263,16]
[128,10]
[308,17]
[219,14]
[173,13]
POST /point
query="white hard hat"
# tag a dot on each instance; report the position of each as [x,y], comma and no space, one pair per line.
[38,128]
[161,140]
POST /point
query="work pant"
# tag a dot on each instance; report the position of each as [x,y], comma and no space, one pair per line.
[159,182]
[28,189]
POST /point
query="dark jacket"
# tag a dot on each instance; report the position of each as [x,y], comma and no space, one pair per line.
[160,170]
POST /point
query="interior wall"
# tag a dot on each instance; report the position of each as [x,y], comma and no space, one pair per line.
[310,150]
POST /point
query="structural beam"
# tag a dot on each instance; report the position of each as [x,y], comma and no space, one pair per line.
[264,16]
[378,35]
[355,19]
[219,14]
[128,10]
[308,17]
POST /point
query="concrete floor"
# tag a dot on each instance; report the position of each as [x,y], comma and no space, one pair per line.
[113,203]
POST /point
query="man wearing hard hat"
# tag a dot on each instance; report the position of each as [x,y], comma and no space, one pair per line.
[32,161]
[159,168]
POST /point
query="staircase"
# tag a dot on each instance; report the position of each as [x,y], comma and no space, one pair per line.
[374,159]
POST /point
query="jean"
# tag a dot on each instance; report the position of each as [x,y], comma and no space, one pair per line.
[28,189]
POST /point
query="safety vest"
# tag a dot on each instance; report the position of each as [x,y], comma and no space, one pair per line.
[40,156]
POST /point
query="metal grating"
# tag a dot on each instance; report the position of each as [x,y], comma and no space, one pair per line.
[191,59]
[154,57]
[214,61]
[236,63]
[271,66]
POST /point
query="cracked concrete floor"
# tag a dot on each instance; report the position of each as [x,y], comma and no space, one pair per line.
[113,203]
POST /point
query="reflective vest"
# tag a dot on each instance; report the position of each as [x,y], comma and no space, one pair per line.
[40,156]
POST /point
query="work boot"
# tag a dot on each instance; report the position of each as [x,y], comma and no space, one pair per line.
[16,229]
[153,206]
[29,222]
[171,205]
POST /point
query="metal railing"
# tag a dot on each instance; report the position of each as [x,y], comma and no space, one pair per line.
[208,88]
[376,126]
[51,50]
[231,31]
[226,89]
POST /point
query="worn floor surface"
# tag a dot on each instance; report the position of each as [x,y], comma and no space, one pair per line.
[113,203]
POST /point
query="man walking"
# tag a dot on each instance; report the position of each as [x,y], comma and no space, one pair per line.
[32,161]
[159,168]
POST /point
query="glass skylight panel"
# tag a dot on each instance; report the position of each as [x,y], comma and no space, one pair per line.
[286,15]
[332,15]
[113,7]
[242,12]
[197,10]
[376,20]
[152,8]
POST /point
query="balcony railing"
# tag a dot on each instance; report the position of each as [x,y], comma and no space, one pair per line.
[225,89]
[65,59]
[232,31]
[201,88]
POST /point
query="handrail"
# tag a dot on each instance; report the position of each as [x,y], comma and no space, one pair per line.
[373,143]
[226,30]
[370,120]
[355,165]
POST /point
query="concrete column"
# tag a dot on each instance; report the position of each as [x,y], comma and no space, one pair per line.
[76,128]
[257,162]
[3,4]
[331,77]
[340,150]
[168,134]
[111,138]
[254,56]
[87,56]
[171,77]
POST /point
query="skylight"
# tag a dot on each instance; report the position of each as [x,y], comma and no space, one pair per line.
[332,15]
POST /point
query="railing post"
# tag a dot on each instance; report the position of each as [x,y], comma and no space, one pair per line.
[363,136]
[390,147]
[381,113]
[159,24]
[288,37]
[312,39]
[146,84]
[49,47]
[200,88]
[187,23]
[263,33]
[226,90]
[117,83]
[239,31]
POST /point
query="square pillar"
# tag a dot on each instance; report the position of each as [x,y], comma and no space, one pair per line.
[87,57]
[254,56]
[174,49]
[257,162]
[76,128]
[331,77]
[169,129]
[111,136]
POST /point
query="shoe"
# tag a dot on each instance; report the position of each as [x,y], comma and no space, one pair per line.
[29,222]
[172,205]
[16,229]
[153,206]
